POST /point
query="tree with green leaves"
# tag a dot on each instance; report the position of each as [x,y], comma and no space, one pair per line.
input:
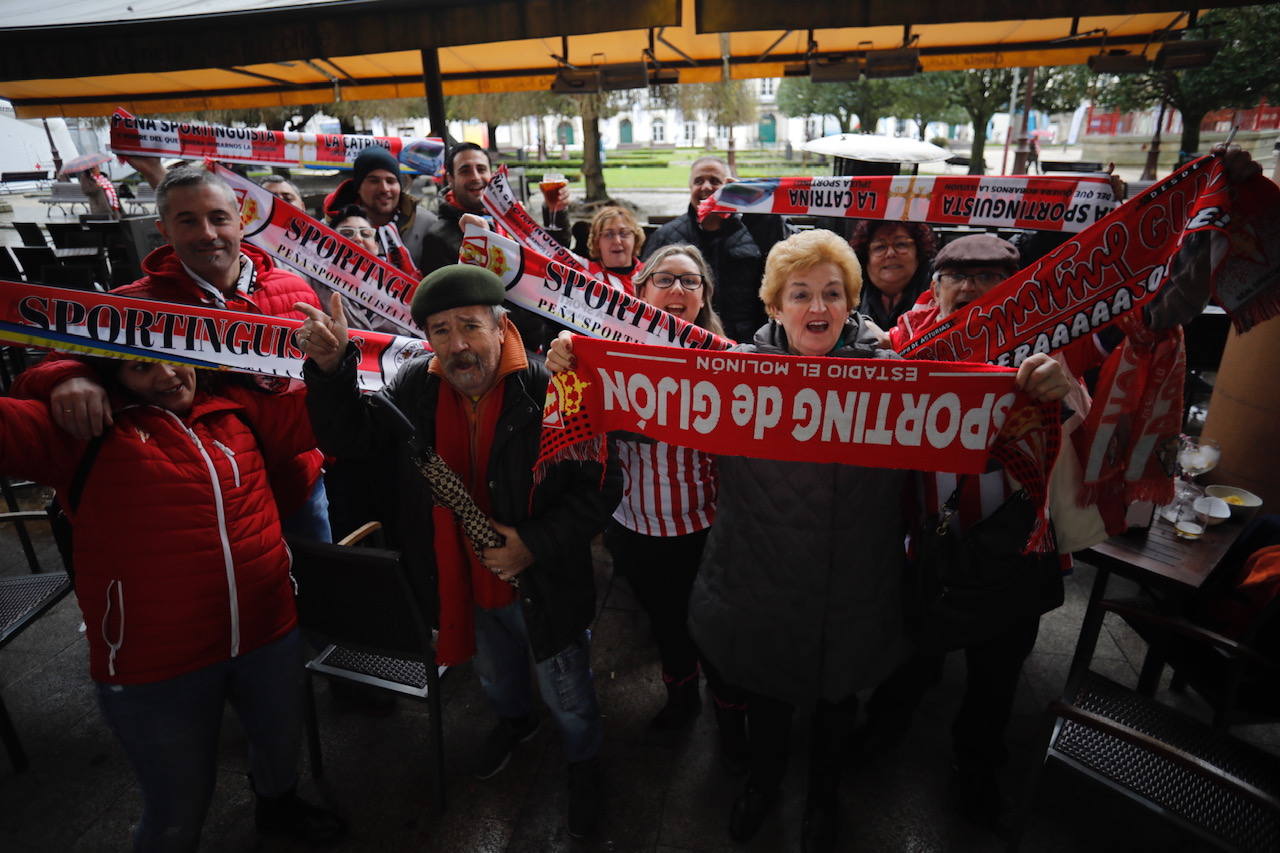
[867,100]
[924,98]
[725,103]
[591,108]
[389,109]
[981,93]
[273,118]
[1246,70]
[491,108]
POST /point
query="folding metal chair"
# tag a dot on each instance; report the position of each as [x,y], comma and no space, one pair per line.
[1198,778]
[360,603]
[23,600]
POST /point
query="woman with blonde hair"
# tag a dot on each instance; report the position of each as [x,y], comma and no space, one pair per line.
[614,244]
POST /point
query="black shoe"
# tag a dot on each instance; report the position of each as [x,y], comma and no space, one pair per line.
[735,750]
[683,704]
[290,815]
[749,811]
[821,827]
[584,797]
[978,798]
[502,741]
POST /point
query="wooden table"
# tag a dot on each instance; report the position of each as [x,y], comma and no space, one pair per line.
[1155,558]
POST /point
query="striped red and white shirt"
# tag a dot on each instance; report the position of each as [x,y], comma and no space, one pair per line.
[666,490]
[980,495]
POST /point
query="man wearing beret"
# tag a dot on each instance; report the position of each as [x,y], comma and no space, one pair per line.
[963,271]
[375,186]
[478,401]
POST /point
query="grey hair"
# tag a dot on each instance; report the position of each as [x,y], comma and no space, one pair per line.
[498,314]
[711,158]
[189,176]
[270,180]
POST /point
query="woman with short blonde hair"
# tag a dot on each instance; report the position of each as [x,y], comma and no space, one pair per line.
[804,251]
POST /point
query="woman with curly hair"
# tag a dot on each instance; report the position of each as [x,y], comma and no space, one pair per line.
[895,257]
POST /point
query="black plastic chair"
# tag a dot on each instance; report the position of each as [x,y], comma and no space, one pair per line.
[360,603]
[9,269]
[70,235]
[23,600]
[31,234]
[1199,778]
[34,259]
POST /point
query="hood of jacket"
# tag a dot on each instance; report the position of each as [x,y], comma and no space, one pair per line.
[164,262]
[855,341]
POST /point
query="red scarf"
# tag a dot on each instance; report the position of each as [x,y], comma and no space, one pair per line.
[464,439]
[1129,438]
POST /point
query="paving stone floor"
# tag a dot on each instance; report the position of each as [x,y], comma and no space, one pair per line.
[661,794]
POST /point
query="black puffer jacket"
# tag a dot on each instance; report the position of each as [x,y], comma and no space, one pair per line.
[799,595]
[571,505]
[736,255]
[443,239]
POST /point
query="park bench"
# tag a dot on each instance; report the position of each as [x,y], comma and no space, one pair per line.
[143,201]
[1047,166]
[39,178]
[66,197]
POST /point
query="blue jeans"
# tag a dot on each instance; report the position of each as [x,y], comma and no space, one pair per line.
[311,520]
[169,731]
[564,679]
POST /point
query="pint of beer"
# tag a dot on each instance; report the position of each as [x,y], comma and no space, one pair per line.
[552,183]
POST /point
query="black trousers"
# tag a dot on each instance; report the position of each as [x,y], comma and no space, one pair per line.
[992,670]
[769,728]
[661,570]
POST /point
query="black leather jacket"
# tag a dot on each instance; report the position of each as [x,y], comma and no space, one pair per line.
[736,252]
[556,519]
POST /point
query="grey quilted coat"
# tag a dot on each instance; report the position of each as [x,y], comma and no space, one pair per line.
[799,595]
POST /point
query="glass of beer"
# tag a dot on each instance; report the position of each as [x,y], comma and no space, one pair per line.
[552,183]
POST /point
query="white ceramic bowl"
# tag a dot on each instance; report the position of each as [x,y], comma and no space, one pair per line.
[1215,510]
[1240,501]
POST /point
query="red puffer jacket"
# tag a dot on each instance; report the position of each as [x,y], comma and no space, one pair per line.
[275,292]
[179,558]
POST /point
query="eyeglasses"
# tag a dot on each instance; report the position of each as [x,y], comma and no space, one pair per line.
[362,233]
[981,279]
[665,280]
[901,247]
[617,235]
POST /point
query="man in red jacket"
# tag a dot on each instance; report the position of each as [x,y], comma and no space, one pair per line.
[204,263]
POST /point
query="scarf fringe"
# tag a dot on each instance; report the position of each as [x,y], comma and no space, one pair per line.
[1256,311]
[1042,540]
[593,449]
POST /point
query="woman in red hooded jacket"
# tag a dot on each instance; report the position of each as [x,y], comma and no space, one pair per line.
[183,579]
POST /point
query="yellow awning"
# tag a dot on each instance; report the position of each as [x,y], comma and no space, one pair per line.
[158,81]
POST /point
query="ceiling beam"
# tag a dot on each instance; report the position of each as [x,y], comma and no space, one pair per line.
[718,16]
[340,29]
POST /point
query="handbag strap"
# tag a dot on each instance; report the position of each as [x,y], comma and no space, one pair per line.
[948,507]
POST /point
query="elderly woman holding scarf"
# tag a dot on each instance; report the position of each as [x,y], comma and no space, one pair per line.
[798,600]
[660,528]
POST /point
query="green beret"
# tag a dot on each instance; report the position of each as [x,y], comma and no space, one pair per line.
[453,287]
